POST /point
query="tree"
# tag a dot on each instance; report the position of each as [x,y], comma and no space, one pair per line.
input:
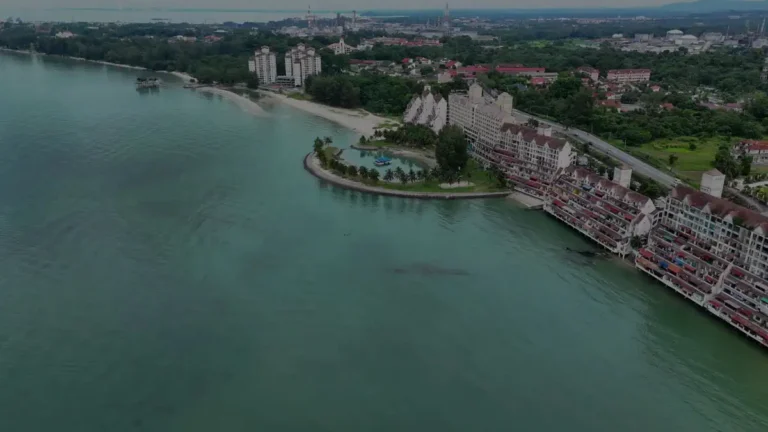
[328,140]
[402,176]
[373,175]
[745,165]
[451,150]
[389,175]
[352,171]
[636,242]
[363,171]
[725,162]
[362,140]
[318,145]
[672,159]
[411,176]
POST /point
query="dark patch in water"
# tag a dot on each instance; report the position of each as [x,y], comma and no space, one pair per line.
[430,270]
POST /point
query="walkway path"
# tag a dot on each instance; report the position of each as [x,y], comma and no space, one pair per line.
[312,164]
[606,148]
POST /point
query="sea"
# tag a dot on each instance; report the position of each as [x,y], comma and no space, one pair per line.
[150,14]
[166,264]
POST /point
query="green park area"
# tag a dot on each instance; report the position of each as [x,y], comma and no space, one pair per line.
[688,157]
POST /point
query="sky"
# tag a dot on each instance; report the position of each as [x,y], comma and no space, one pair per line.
[331,4]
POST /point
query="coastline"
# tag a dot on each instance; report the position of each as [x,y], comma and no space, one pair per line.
[243,102]
[311,164]
[184,76]
[359,121]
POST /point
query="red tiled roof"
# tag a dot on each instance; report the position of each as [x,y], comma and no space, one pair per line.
[538,81]
[611,103]
[629,71]
[754,145]
[518,69]
[720,207]
[530,134]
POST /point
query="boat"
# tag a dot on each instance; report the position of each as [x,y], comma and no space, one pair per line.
[382,161]
[147,83]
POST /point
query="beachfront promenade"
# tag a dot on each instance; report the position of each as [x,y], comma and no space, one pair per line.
[312,164]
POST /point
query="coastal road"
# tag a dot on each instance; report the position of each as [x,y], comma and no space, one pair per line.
[606,148]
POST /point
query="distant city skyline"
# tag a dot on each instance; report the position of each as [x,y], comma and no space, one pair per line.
[333,4]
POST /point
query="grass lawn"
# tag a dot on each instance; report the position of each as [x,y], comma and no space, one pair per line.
[690,164]
[331,152]
[472,173]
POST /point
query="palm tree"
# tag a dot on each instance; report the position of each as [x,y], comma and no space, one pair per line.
[399,172]
[420,174]
[411,176]
[318,145]
[373,174]
[363,140]
[352,171]
[389,175]
[403,177]
[363,171]
[328,140]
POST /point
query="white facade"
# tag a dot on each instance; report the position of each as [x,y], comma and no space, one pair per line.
[622,176]
[302,62]
[428,110]
[264,65]
[340,47]
[712,183]
[674,35]
[481,118]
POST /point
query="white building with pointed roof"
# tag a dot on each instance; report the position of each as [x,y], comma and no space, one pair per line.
[428,109]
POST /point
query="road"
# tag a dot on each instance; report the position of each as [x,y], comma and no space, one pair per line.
[606,148]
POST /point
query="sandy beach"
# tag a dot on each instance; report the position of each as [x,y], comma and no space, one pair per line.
[356,120]
[245,103]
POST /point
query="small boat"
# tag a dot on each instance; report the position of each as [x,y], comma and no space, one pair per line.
[383,161]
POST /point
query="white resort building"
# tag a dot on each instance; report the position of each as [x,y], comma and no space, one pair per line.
[429,109]
[481,117]
[714,253]
[301,62]
[341,47]
[264,65]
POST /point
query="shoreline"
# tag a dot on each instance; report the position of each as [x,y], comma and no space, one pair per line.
[184,76]
[364,124]
[311,164]
[246,104]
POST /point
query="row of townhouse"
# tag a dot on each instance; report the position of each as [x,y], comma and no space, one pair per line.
[714,253]
[608,213]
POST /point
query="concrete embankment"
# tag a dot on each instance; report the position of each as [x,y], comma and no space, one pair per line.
[312,164]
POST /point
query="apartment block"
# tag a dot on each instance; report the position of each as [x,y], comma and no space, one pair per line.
[531,158]
[264,65]
[602,210]
[481,117]
[714,253]
[592,73]
[758,150]
[629,75]
[302,62]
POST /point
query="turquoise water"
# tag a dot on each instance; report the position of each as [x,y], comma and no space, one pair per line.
[366,158]
[167,265]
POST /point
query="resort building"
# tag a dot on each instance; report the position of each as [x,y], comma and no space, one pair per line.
[758,150]
[428,109]
[481,117]
[340,48]
[531,158]
[604,211]
[302,62]
[714,253]
[264,65]
[629,75]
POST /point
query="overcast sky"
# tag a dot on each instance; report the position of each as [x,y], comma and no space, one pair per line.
[332,4]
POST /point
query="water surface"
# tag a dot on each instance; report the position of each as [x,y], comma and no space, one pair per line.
[167,265]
